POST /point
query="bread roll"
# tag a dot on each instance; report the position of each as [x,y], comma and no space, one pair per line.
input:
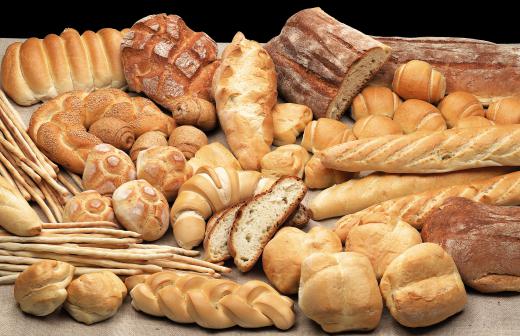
[474,121]
[214,155]
[188,140]
[418,80]
[289,120]
[40,289]
[283,255]
[323,133]
[95,297]
[285,160]
[317,176]
[198,112]
[141,208]
[422,286]
[375,125]
[459,105]
[147,140]
[89,206]
[106,169]
[417,115]
[505,111]
[375,100]
[339,291]
[113,131]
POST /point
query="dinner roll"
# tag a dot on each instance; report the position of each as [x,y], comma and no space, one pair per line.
[474,121]
[188,140]
[418,80]
[285,160]
[459,105]
[317,176]
[375,125]
[89,206]
[147,140]
[417,115]
[375,100]
[505,111]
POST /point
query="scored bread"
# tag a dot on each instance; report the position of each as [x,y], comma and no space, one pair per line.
[258,220]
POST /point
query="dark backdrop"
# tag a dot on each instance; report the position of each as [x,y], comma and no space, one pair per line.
[261,19]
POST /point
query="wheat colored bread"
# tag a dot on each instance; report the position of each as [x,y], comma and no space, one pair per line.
[258,220]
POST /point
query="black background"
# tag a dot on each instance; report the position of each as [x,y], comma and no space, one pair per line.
[261,20]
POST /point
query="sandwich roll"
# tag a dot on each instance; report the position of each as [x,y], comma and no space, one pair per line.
[419,80]
[459,105]
[416,115]
[375,100]
[505,111]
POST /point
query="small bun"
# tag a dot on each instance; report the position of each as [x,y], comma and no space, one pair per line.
[418,80]
[459,105]
[474,121]
[375,100]
[89,206]
[505,111]
[289,120]
[147,140]
[317,176]
[188,140]
[417,115]
[374,126]
[287,160]
[113,131]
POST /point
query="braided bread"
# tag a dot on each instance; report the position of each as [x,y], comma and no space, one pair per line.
[212,303]
[59,127]
[438,152]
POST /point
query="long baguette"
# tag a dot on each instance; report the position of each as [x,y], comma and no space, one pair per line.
[413,209]
[437,152]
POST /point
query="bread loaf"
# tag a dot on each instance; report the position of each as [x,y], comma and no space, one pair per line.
[317,176]
[419,80]
[285,160]
[188,140]
[459,105]
[375,125]
[375,100]
[214,155]
[323,133]
[147,140]
[89,206]
[505,110]
[194,111]
[323,63]
[417,115]
[474,121]
[289,120]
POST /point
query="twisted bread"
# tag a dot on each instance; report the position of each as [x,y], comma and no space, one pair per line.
[212,303]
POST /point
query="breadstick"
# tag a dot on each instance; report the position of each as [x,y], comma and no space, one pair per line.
[7,272]
[182,266]
[76,179]
[8,279]
[68,239]
[72,225]
[173,249]
[89,230]
[53,204]
[69,185]
[116,271]
[13,268]
[198,262]
[5,174]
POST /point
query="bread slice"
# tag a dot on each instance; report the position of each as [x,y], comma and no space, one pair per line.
[217,234]
[258,220]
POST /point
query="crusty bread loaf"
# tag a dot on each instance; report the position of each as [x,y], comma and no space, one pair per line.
[289,120]
[324,132]
[375,125]
[420,152]
[419,80]
[459,105]
[505,110]
[40,69]
[89,206]
[375,100]
[323,63]
[285,160]
[416,115]
[214,155]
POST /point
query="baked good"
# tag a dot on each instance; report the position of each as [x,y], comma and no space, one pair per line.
[95,297]
[482,240]
[191,110]
[375,125]
[375,100]
[59,126]
[212,303]
[326,293]
[89,206]
[474,121]
[422,287]
[165,168]
[419,80]
[459,105]
[417,115]
[147,140]
[244,87]
[113,131]
[259,218]
[40,289]
[324,132]
[134,280]
[505,110]
[300,217]
[421,152]
[493,74]
[358,194]
[141,208]
[382,242]
[106,169]
[188,140]
[317,176]
[16,215]
[165,59]
[40,69]
[289,121]
[323,63]
[214,155]
[283,255]
[413,209]
[285,160]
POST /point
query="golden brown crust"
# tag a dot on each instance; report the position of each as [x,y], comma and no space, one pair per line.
[188,140]
[285,160]
[375,125]
[474,121]
[113,131]
[147,140]
[417,79]
[317,176]
[416,115]
[289,120]
[459,105]
[375,100]
[324,132]
[89,206]
[505,111]
[198,112]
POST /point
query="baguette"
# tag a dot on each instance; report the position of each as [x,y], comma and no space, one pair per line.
[438,152]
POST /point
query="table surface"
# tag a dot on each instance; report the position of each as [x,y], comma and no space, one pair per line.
[483,315]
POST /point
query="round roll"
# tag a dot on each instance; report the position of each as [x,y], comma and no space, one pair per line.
[375,100]
[418,80]
[375,125]
[505,111]
[459,105]
[317,176]
[474,121]
[147,140]
[285,160]
[417,115]
[89,206]
[188,140]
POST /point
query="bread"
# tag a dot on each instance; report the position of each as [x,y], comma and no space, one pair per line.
[40,69]
[141,208]
[89,206]
[417,115]
[375,100]
[422,287]
[382,242]
[16,215]
[212,303]
[59,126]
[375,125]
[147,140]
[285,160]
[317,176]
[437,152]
[165,168]
[95,297]
[413,209]
[244,87]
[207,192]
[283,255]
[188,140]
[134,280]
[419,80]
[326,293]
[289,120]
[323,63]
[323,133]
[198,112]
[259,218]
[40,289]
[505,111]
[113,131]
[358,194]
[474,121]
[214,155]
[106,169]
[482,240]
[165,59]
[300,217]
[459,105]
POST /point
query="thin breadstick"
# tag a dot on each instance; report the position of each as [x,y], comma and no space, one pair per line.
[89,230]
[29,171]
[69,185]
[77,179]
[33,187]
[197,262]
[19,176]
[5,174]
[8,279]
[53,204]
[173,249]
[67,239]
[182,266]
[7,272]
[72,225]
[116,271]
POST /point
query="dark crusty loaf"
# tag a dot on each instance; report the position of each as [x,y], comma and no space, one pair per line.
[323,63]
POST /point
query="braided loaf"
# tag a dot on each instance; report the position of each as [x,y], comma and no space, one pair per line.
[212,303]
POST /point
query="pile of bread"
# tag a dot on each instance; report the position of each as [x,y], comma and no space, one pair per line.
[406,165]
